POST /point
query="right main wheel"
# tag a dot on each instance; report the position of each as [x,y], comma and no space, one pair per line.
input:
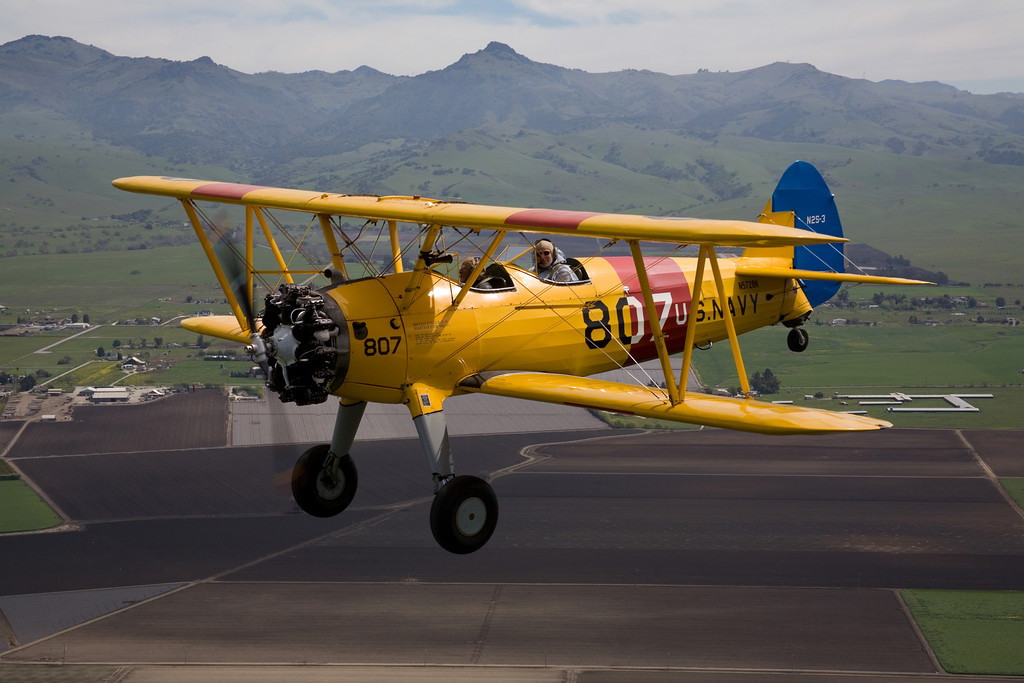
[464,514]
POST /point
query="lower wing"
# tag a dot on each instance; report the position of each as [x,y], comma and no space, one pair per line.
[220,326]
[703,409]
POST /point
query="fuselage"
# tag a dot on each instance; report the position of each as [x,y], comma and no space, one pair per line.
[401,336]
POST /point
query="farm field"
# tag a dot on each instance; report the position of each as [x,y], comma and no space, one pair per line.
[21,509]
[976,632]
[963,355]
[859,361]
[843,360]
[110,286]
[1015,487]
[70,358]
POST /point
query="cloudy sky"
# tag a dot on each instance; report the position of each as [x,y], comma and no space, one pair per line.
[976,45]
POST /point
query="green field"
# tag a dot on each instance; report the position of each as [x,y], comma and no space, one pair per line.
[972,632]
[1015,487]
[102,284]
[22,510]
[960,357]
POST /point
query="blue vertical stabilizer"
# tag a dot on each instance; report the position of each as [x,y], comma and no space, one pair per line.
[803,191]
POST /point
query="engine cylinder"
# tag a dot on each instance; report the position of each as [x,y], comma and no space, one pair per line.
[307,344]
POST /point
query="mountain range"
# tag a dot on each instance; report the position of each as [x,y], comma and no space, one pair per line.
[498,127]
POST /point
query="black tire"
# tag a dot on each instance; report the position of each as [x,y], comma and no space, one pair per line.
[314,488]
[797,339]
[464,515]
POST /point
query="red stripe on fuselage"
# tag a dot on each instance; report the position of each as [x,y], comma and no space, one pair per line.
[225,190]
[667,280]
[549,218]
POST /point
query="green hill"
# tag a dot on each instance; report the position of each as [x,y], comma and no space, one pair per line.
[921,170]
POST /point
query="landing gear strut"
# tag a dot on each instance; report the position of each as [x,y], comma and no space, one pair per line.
[465,510]
[324,480]
[464,513]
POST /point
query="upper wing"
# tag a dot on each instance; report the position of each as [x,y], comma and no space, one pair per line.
[433,212]
[703,409]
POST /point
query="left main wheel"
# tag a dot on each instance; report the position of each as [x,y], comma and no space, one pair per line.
[464,514]
[324,484]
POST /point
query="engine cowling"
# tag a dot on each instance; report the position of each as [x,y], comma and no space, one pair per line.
[303,347]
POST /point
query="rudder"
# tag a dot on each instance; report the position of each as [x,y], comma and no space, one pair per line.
[803,191]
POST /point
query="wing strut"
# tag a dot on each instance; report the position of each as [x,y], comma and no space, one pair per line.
[730,325]
[396,246]
[332,244]
[222,279]
[248,291]
[691,325]
[272,242]
[705,254]
[652,315]
[422,266]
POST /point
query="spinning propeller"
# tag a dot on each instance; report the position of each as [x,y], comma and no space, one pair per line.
[236,272]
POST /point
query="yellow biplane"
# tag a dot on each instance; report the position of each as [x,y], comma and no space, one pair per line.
[422,334]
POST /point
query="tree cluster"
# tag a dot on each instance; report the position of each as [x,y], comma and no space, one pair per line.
[765,383]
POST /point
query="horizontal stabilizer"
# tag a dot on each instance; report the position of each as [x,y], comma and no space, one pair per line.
[769,271]
[703,409]
[220,326]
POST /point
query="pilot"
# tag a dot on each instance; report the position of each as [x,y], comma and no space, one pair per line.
[466,269]
[551,265]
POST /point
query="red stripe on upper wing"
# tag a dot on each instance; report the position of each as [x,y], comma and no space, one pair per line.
[225,190]
[549,218]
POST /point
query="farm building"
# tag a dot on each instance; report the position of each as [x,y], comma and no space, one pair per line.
[106,394]
[133,363]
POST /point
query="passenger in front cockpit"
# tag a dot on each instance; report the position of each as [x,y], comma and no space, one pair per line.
[466,269]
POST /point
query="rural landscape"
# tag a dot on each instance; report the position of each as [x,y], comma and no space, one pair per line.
[928,179]
[928,182]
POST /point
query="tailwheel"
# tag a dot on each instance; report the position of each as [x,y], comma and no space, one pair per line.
[797,339]
[464,514]
[324,484]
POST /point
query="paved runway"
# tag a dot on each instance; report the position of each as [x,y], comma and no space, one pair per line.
[701,555]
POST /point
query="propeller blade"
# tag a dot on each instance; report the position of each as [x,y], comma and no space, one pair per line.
[235,270]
